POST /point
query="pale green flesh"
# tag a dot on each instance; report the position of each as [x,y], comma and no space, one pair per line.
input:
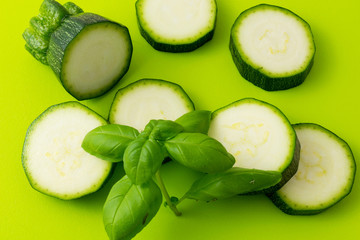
[53,159]
[96,59]
[138,103]
[176,21]
[257,134]
[326,170]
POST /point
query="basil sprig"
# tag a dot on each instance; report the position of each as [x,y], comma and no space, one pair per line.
[135,199]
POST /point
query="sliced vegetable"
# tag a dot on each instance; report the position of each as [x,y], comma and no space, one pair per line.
[176,25]
[129,208]
[53,160]
[138,103]
[258,135]
[325,176]
[231,183]
[272,47]
[88,53]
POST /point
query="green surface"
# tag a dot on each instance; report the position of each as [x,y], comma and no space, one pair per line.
[329,97]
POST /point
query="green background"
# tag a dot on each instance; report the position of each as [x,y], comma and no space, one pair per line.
[329,96]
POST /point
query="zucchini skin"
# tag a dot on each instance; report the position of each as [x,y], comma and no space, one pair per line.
[37,36]
[65,34]
[176,48]
[263,81]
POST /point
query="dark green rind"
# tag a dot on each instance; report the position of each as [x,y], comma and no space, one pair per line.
[24,156]
[37,36]
[175,47]
[292,167]
[62,38]
[290,171]
[72,8]
[281,203]
[263,81]
[256,76]
[150,81]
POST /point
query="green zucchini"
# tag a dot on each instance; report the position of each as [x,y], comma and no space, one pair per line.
[259,136]
[325,176]
[272,47]
[52,157]
[88,53]
[176,25]
[146,99]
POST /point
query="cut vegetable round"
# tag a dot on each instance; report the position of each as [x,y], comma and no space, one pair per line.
[138,103]
[325,176]
[272,47]
[176,25]
[53,160]
[259,136]
[89,54]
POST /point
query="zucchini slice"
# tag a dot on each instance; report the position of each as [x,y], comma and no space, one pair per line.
[52,157]
[259,136]
[88,53]
[146,99]
[272,47]
[176,25]
[325,176]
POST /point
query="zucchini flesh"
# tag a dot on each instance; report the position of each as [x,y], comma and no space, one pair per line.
[176,25]
[136,104]
[272,47]
[259,136]
[89,54]
[325,175]
[53,160]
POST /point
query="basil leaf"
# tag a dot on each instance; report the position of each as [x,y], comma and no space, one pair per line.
[195,121]
[148,129]
[231,183]
[142,158]
[129,208]
[109,142]
[199,152]
[165,129]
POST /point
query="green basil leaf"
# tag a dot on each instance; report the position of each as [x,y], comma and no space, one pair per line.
[199,152]
[129,208]
[148,129]
[231,183]
[142,158]
[195,121]
[165,129]
[109,142]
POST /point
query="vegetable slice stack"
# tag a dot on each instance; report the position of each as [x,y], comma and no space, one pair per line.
[53,160]
[272,47]
[325,176]
[136,104]
[176,25]
[88,53]
[259,136]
